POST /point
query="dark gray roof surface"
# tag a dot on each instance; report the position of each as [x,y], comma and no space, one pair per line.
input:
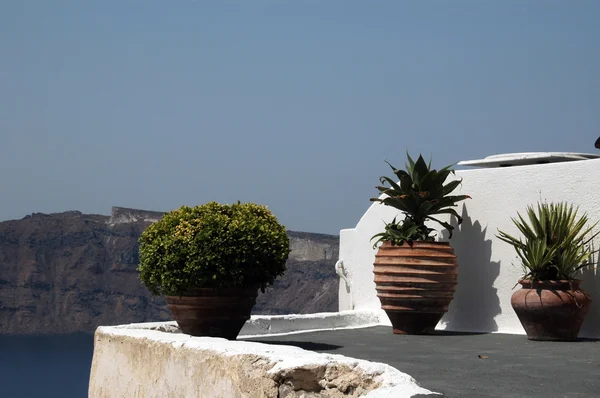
[469,365]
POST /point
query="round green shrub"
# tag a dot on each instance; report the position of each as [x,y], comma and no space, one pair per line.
[213,245]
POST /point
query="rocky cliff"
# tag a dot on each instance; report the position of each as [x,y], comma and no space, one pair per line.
[70,272]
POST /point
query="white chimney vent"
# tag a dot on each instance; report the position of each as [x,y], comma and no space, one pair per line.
[526,158]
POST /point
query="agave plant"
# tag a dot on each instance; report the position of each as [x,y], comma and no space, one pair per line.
[420,195]
[556,242]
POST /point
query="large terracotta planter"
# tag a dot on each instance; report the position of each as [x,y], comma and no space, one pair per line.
[213,312]
[415,284]
[551,310]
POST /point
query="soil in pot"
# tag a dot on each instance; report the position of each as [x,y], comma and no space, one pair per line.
[213,312]
[415,284]
[551,310]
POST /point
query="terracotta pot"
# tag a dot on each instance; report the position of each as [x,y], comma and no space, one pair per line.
[213,312]
[551,310]
[415,284]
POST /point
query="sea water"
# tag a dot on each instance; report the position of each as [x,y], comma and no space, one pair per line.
[45,366]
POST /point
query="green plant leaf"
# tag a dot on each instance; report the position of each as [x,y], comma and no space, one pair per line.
[419,194]
[411,164]
[392,183]
[452,212]
[446,225]
[555,246]
[451,186]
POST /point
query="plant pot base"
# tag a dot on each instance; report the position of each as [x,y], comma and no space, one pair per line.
[213,312]
[211,327]
[413,322]
[550,338]
[551,310]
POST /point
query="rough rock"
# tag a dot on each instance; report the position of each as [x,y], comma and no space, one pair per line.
[71,272]
[329,380]
[310,284]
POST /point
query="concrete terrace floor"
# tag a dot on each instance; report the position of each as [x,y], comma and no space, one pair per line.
[450,363]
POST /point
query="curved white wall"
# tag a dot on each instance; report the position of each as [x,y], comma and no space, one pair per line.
[488,267]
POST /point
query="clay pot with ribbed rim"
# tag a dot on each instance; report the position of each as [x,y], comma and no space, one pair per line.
[551,310]
[415,284]
[213,312]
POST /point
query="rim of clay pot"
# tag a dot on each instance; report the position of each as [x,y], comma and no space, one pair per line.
[211,291]
[530,284]
[417,242]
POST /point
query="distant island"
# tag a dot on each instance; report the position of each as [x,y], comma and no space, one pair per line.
[71,272]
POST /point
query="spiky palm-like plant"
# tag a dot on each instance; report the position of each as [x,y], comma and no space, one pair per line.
[420,194]
[556,241]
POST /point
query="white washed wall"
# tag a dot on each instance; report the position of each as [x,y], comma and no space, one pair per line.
[488,267]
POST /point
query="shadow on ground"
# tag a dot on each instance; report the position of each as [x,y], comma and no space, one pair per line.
[450,333]
[307,345]
[591,284]
[470,365]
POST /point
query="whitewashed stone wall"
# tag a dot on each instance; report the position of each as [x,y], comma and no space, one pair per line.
[154,360]
[488,267]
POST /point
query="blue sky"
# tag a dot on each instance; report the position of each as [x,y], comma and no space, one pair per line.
[292,104]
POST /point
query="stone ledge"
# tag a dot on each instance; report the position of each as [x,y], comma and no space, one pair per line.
[260,325]
[134,361]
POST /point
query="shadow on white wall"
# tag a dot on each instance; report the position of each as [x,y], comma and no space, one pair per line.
[591,284]
[476,276]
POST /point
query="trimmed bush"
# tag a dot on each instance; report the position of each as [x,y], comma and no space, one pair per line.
[213,245]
